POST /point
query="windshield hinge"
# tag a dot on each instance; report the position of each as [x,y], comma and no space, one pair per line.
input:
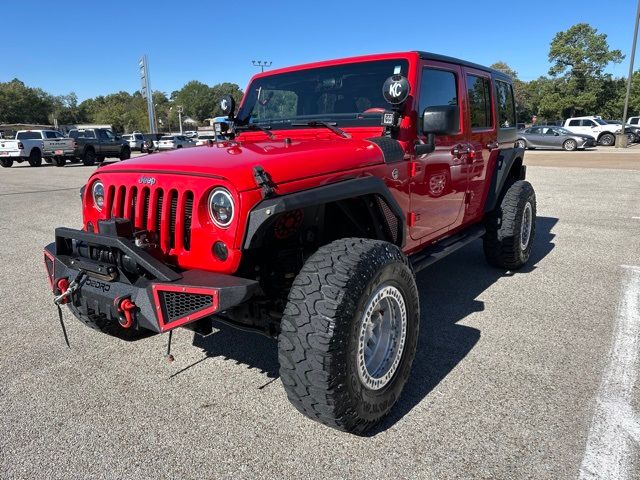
[264,181]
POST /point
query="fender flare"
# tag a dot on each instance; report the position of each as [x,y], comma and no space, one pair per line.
[508,164]
[265,211]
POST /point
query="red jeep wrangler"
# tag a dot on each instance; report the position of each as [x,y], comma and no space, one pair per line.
[338,181]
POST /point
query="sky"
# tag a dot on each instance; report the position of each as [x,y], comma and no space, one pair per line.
[92,47]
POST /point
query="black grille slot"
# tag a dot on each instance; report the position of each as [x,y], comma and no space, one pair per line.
[159,201]
[132,206]
[121,197]
[177,305]
[188,211]
[173,210]
[145,208]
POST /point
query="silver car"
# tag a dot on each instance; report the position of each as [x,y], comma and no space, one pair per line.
[548,136]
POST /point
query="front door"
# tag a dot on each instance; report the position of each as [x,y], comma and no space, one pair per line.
[437,190]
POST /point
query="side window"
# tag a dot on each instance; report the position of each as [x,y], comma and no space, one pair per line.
[588,123]
[102,135]
[506,105]
[437,88]
[635,121]
[574,123]
[479,101]
[536,131]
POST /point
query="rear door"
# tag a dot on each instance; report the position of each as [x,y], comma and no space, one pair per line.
[437,190]
[483,135]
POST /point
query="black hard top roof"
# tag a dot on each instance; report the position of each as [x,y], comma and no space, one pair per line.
[443,58]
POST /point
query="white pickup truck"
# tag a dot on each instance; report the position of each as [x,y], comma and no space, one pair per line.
[34,145]
[604,132]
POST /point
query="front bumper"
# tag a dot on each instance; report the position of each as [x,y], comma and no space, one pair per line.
[164,299]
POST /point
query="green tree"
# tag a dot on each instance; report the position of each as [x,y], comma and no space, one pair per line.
[22,104]
[579,57]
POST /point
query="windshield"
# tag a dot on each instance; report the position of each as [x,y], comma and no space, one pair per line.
[350,95]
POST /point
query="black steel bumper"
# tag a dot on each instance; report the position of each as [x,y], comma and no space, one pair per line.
[164,299]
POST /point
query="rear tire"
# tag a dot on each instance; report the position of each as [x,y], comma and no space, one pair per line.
[520,144]
[125,154]
[570,145]
[35,158]
[6,162]
[511,227]
[89,158]
[345,292]
[607,140]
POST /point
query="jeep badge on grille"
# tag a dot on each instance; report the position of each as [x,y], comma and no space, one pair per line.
[147,180]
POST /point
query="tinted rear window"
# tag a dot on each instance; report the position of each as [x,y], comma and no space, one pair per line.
[479,101]
[28,136]
[506,105]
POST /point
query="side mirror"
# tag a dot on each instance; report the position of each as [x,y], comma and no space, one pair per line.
[228,106]
[441,120]
[438,120]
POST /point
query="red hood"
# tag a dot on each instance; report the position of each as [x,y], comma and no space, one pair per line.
[302,158]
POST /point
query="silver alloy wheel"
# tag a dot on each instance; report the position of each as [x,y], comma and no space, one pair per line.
[382,336]
[607,140]
[525,226]
[570,145]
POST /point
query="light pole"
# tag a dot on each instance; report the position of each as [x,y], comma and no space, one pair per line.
[180,109]
[261,64]
[633,55]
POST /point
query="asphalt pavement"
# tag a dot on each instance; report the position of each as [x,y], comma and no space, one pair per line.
[513,379]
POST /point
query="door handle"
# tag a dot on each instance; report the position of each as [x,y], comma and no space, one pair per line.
[460,150]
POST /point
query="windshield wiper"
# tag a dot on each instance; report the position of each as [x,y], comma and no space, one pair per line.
[319,123]
[255,126]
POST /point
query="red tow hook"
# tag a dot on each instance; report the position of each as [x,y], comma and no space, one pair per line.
[126,306]
[63,285]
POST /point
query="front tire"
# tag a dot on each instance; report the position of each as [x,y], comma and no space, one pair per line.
[607,139]
[349,333]
[570,145]
[511,227]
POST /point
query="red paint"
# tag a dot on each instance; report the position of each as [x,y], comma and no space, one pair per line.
[431,190]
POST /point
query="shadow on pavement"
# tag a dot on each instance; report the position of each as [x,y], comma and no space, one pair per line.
[448,293]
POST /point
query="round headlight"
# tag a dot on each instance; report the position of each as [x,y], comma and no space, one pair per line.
[97,191]
[221,207]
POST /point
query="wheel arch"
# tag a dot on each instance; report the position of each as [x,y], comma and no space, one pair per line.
[387,219]
[509,166]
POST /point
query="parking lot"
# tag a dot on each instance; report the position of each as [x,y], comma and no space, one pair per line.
[511,380]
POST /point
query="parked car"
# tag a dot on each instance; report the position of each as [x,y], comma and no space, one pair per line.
[549,136]
[634,121]
[633,131]
[136,141]
[190,134]
[95,144]
[306,229]
[205,137]
[173,142]
[604,133]
[34,145]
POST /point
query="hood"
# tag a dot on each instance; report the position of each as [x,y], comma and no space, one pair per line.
[234,161]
